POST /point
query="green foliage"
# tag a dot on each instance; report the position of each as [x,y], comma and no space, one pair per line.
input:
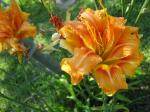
[30,87]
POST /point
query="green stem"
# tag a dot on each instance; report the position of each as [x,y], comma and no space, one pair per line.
[21,4]
[141,11]
[45,59]
[97,5]
[42,3]
[123,7]
[112,103]
[49,5]
[88,90]
[20,103]
[130,8]
[68,14]
[104,106]
[71,90]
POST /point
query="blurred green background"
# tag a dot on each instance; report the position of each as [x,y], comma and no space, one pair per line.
[30,87]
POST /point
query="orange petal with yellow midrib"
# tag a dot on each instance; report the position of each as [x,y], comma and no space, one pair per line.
[83,62]
[110,78]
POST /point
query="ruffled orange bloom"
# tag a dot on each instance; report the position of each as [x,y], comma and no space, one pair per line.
[14,27]
[102,46]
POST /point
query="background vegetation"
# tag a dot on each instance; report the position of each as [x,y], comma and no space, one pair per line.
[30,87]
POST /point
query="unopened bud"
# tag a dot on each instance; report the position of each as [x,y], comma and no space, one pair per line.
[55,36]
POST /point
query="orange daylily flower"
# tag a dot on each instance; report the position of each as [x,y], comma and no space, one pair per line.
[14,27]
[102,45]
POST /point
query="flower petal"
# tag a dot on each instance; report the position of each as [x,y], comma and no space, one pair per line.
[117,25]
[80,31]
[127,45]
[130,63]
[17,17]
[110,78]
[108,40]
[26,30]
[5,28]
[130,35]
[95,23]
[71,39]
[97,19]
[83,62]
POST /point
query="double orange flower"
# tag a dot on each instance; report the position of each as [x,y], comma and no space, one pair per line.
[102,46]
[13,28]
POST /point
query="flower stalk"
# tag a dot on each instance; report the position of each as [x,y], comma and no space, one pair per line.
[104,106]
[68,14]
[123,7]
[141,11]
[97,5]
[130,8]
[45,59]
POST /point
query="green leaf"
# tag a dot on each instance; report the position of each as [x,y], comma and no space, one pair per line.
[123,98]
[134,83]
[120,107]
